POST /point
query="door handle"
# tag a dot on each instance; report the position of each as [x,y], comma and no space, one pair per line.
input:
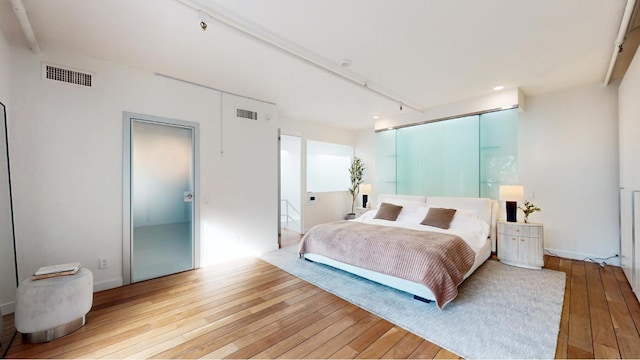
[188,196]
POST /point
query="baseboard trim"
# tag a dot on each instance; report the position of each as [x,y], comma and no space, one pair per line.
[108,284]
[581,256]
[8,308]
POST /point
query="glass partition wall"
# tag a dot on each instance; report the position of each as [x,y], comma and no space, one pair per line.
[498,151]
[468,156]
[438,159]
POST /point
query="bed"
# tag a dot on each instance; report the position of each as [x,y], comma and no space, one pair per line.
[473,227]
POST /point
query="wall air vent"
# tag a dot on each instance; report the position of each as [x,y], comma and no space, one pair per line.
[247,114]
[66,75]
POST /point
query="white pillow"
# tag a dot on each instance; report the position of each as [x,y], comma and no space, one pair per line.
[469,212]
[368,215]
[464,222]
[409,203]
[414,217]
[408,206]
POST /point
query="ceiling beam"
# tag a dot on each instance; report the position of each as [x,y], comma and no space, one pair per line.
[298,53]
[25,24]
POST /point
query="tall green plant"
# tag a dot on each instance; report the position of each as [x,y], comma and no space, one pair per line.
[355,171]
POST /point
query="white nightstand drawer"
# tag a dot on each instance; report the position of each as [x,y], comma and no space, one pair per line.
[520,229]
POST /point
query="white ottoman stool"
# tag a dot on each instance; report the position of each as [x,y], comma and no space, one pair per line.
[47,309]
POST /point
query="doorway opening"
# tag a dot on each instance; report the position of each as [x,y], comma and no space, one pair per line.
[290,189]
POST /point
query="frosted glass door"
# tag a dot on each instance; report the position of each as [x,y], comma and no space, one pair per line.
[162,198]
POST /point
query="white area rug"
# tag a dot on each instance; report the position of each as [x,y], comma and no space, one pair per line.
[500,312]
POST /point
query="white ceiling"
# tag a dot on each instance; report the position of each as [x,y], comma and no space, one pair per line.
[425,52]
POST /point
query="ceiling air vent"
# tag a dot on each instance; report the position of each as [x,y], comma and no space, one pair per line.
[247,114]
[69,76]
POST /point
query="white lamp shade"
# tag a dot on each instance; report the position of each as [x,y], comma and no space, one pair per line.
[512,192]
[365,189]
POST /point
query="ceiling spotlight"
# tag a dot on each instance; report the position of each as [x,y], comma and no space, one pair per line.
[400,106]
[376,116]
[205,18]
[498,88]
[345,63]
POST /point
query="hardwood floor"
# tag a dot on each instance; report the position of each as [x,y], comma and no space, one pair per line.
[251,309]
[600,315]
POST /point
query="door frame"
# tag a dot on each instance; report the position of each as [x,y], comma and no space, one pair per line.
[282,132]
[127,230]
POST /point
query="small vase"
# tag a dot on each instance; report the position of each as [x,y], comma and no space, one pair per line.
[526,218]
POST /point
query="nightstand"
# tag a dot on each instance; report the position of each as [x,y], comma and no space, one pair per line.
[521,244]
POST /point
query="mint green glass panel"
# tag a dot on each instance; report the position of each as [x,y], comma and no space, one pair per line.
[385,162]
[498,151]
[439,159]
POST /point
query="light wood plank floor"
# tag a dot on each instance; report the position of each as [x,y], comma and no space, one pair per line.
[248,308]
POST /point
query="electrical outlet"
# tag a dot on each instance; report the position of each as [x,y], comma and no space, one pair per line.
[104,263]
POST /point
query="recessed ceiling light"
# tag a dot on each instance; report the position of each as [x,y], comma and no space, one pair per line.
[499,87]
[389,128]
[345,63]
[376,116]
[507,107]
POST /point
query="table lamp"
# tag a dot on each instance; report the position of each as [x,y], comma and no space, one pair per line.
[511,194]
[365,189]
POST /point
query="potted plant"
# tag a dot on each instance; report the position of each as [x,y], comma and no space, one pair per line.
[528,209]
[355,171]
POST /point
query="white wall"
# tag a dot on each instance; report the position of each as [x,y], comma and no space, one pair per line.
[7,268]
[568,157]
[66,146]
[239,182]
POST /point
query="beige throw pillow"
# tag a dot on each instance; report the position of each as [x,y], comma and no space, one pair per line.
[439,217]
[388,212]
